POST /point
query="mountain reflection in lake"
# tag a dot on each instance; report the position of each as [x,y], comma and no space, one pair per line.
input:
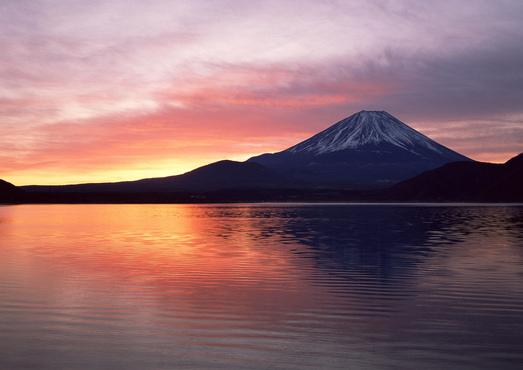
[261,287]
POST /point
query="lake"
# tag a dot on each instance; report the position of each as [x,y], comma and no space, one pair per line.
[261,286]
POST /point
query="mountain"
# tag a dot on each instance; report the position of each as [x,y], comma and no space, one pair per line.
[465,182]
[215,176]
[9,193]
[369,149]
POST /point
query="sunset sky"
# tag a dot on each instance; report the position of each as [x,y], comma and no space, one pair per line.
[111,90]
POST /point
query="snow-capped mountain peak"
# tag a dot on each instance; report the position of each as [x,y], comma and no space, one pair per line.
[366,127]
[367,149]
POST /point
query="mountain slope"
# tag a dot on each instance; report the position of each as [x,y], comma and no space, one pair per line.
[215,176]
[465,181]
[10,193]
[368,149]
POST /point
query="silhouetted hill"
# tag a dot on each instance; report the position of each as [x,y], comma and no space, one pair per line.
[465,182]
[509,187]
[369,149]
[215,176]
[9,193]
[220,182]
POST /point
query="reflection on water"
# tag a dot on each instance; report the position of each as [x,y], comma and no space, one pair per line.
[261,286]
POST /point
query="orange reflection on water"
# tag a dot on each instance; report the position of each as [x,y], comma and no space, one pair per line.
[248,286]
[168,257]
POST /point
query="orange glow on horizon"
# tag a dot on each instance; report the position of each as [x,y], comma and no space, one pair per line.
[195,126]
[127,91]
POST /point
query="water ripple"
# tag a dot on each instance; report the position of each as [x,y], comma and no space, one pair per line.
[261,286]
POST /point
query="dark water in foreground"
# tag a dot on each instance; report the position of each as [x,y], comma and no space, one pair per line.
[261,287]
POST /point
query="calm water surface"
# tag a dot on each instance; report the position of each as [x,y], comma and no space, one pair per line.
[261,287]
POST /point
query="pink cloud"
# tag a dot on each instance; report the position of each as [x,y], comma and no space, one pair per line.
[116,90]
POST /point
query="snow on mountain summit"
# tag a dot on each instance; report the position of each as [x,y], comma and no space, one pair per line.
[366,127]
[367,149]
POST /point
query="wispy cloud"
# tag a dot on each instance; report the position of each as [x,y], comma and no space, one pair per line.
[112,90]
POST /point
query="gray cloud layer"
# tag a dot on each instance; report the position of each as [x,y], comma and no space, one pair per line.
[452,69]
